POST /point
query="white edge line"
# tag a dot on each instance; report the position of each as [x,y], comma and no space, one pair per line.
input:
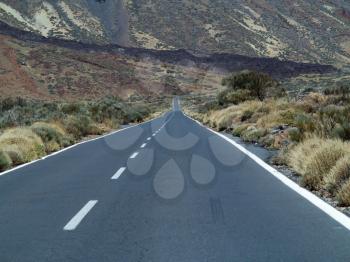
[72,146]
[75,221]
[118,173]
[315,200]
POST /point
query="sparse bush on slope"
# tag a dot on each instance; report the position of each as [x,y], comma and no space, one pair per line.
[245,85]
[31,129]
[80,126]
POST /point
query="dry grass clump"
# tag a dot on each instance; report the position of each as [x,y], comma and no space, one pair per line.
[267,114]
[5,161]
[53,135]
[277,117]
[323,164]
[22,143]
[225,118]
[338,174]
[314,158]
[320,163]
[239,130]
[297,155]
[253,134]
[220,118]
[15,153]
[343,196]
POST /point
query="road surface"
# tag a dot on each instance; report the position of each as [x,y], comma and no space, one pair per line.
[165,190]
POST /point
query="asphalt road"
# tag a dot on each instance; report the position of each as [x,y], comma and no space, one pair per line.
[166,190]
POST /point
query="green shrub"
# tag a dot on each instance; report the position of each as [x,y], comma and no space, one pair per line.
[49,133]
[333,121]
[253,135]
[239,130]
[294,134]
[304,123]
[109,109]
[259,85]
[342,90]
[9,103]
[288,116]
[5,161]
[267,140]
[80,126]
[233,97]
[136,114]
[71,108]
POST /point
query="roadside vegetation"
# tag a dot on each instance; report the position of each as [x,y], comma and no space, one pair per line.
[32,129]
[312,131]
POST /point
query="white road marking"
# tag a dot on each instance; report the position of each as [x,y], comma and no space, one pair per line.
[315,200]
[148,139]
[119,172]
[144,145]
[134,155]
[75,221]
[154,135]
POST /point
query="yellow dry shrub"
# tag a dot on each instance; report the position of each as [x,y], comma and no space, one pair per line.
[22,142]
[343,195]
[315,157]
[297,155]
[338,175]
[227,117]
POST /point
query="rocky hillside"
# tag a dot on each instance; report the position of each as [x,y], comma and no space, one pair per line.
[35,66]
[315,31]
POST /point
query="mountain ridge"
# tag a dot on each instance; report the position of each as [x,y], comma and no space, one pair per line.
[49,68]
[302,30]
[223,61]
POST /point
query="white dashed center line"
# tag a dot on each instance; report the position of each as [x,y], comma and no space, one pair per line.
[144,145]
[148,139]
[119,172]
[75,221]
[134,155]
